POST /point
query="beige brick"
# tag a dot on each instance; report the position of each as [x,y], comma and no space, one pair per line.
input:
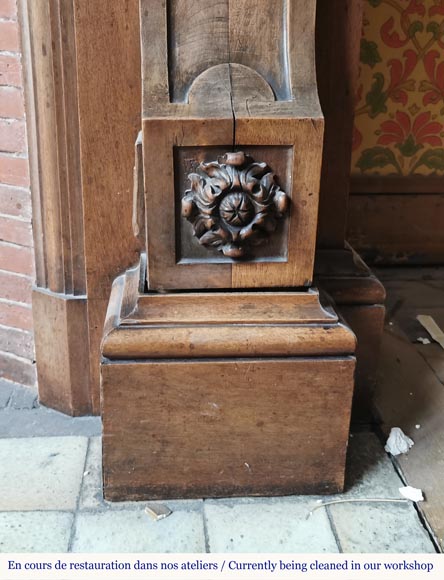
[12,136]
[18,342]
[15,201]
[9,35]
[15,287]
[15,316]
[16,259]
[15,231]
[12,103]
[10,71]
[8,9]
[17,370]
[14,170]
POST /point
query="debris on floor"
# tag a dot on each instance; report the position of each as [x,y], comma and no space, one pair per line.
[411,493]
[432,328]
[423,340]
[357,500]
[398,442]
[158,511]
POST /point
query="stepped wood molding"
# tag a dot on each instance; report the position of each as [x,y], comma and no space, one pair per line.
[53,133]
[218,394]
[59,295]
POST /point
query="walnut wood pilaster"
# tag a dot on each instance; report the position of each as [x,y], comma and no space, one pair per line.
[82,67]
[59,297]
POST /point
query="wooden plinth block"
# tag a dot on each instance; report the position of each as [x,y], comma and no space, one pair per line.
[176,429]
[63,374]
[223,394]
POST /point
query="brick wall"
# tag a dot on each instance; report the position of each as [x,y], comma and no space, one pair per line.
[16,251]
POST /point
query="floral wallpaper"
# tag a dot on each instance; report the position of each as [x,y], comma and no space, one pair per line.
[399,124]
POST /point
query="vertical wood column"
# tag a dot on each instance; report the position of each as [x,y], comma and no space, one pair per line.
[59,295]
[109,91]
[82,66]
[338,36]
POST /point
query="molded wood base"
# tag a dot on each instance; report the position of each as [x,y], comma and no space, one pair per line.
[223,394]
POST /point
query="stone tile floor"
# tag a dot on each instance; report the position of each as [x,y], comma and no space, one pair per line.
[51,501]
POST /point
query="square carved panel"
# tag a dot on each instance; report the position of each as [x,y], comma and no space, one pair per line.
[280,176]
[242,218]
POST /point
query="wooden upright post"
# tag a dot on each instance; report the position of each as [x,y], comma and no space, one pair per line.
[81,130]
[244,388]
[59,296]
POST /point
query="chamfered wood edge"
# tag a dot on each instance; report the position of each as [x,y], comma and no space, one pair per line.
[124,295]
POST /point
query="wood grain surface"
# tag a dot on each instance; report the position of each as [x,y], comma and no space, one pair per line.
[93,48]
[398,229]
[367,323]
[242,89]
[108,64]
[59,301]
[225,428]
[62,351]
[109,92]
[219,324]
[53,127]
[229,307]
[359,298]
[338,38]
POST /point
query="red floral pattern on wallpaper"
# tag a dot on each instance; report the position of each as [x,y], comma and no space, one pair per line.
[399,124]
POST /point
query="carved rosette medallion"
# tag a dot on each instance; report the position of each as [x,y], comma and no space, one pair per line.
[233,204]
